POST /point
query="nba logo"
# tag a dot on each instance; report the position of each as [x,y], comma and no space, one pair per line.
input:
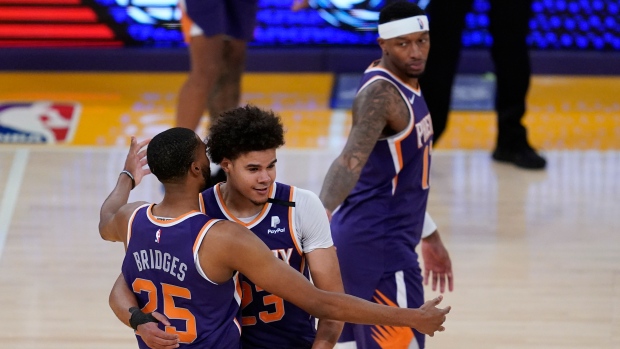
[157,236]
[38,122]
[421,24]
[275,220]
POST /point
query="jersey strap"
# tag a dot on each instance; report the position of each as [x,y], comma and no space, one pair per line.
[281,202]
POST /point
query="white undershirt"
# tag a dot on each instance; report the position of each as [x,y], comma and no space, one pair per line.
[310,219]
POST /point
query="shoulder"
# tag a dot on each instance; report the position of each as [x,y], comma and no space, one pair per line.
[378,85]
[378,93]
[117,230]
[226,237]
[125,212]
[380,100]
[311,219]
[305,198]
[225,230]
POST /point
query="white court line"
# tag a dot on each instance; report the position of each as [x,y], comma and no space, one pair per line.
[11,192]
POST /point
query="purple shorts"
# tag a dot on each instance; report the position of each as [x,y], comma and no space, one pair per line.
[235,18]
[397,289]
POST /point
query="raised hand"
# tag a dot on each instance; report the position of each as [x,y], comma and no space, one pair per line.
[136,160]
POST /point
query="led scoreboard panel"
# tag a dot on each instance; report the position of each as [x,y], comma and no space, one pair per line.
[556,24]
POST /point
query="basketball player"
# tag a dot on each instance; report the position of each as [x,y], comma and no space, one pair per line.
[184,264]
[289,220]
[217,32]
[380,183]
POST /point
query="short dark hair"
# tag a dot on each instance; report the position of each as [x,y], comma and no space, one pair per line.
[242,130]
[171,152]
[399,10]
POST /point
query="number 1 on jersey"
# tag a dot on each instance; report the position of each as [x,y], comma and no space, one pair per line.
[426,166]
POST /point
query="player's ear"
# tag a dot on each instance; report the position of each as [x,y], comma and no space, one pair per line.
[195,168]
[381,43]
[226,164]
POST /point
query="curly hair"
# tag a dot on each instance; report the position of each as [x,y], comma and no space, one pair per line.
[399,10]
[243,130]
[171,153]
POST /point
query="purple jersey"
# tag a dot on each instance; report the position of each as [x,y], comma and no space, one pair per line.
[268,320]
[378,226]
[160,267]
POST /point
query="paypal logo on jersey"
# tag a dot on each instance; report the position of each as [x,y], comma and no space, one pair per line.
[275,220]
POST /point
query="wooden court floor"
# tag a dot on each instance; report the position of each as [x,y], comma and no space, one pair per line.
[536,255]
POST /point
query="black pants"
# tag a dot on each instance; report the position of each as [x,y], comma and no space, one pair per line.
[509,26]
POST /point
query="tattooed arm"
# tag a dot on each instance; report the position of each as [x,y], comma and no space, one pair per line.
[376,107]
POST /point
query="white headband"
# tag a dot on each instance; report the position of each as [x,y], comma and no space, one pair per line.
[403,26]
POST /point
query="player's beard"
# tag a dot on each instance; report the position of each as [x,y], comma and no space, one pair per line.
[415,75]
[262,202]
[259,203]
[206,175]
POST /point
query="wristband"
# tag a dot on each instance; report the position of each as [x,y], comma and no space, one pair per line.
[133,181]
[138,318]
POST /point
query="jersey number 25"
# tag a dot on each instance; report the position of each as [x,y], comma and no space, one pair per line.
[170,310]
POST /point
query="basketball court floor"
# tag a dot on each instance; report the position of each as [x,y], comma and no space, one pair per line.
[536,254]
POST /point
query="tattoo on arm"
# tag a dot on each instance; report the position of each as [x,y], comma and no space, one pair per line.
[374,109]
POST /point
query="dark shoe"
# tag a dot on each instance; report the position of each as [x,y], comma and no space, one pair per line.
[526,158]
[218,176]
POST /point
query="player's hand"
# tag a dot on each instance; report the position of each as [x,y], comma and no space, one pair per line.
[437,264]
[154,337]
[300,5]
[432,317]
[136,160]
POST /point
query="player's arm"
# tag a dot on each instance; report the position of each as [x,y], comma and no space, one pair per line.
[122,299]
[252,258]
[372,109]
[316,240]
[325,273]
[110,228]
